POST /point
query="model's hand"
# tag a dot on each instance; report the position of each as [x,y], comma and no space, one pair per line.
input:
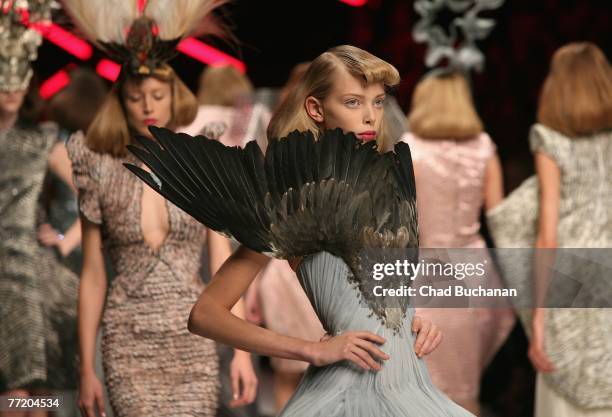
[357,347]
[536,351]
[48,236]
[91,396]
[244,381]
[429,336]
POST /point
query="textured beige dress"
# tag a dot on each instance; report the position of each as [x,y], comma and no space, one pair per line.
[153,365]
[450,183]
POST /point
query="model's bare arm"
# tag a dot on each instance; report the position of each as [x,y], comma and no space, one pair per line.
[60,165]
[211,317]
[549,180]
[92,292]
[242,375]
[493,183]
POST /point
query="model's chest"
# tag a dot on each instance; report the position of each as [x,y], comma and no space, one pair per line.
[132,212]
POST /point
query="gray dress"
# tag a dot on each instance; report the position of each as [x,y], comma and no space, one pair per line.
[402,387]
[37,293]
[578,341]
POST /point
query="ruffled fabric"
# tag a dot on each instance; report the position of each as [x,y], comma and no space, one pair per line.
[578,341]
[547,141]
[86,176]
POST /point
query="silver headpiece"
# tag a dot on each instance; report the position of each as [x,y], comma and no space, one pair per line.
[460,51]
[19,41]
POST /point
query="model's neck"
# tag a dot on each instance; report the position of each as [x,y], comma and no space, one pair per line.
[7,120]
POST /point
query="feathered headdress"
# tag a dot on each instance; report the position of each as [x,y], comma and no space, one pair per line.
[19,41]
[458,44]
[143,35]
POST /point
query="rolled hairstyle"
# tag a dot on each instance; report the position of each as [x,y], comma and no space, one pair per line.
[317,82]
[576,97]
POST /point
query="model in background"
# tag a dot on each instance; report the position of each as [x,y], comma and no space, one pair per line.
[85,92]
[153,365]
[37,293]
[227,110]
[458,173]
[567,205]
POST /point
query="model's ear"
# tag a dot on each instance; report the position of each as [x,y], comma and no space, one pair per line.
[314,109]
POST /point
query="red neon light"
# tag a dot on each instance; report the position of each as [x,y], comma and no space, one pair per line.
[108,69]
[65,40]
[355,3]
[141,5]
[209,55]
[54,84]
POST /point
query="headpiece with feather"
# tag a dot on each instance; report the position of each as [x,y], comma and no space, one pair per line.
[142,35]
[19,40]
[458,44]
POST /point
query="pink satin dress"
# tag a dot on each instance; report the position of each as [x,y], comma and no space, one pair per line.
[450,177]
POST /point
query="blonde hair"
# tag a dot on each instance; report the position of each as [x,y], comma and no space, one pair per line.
[222,86]
[442,108]
[576,97]
[317,82]
[295,78]
[109,131]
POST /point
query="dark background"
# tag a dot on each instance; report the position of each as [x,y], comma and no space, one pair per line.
[274,35]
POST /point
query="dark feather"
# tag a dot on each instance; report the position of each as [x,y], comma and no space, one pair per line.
[306,195]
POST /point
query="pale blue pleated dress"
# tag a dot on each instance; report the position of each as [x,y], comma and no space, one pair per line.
[402,388]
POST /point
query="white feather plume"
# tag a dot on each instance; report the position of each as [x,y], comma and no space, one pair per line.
[178,18]
[108,20]
[102,20]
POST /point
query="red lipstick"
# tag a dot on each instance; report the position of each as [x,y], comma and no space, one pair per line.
[367,135]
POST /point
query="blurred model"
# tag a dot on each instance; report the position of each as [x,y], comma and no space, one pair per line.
[37,293]
[567,205]
[457,173]
[153,365]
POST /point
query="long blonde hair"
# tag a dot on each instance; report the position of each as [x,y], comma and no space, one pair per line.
[222,86]
[317,82]
[109,131]
[442,108]
[576,97]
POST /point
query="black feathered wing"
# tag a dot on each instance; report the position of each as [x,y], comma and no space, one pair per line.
[333,193]
[221,187]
